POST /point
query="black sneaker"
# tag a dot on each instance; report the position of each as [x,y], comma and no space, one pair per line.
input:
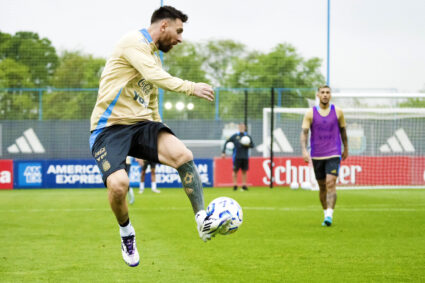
[245,188]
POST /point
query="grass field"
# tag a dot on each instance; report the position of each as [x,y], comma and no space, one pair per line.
[71,236]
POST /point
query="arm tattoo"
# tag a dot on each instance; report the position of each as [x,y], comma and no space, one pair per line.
[303,139]
[192,185]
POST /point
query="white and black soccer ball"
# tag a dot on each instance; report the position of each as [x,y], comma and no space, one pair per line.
[245,141]
[222,206]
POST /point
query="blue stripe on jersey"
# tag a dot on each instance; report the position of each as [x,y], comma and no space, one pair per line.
[146,35]
[103,120]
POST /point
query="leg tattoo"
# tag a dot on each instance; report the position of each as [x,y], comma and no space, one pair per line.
[192,185]
[331,199]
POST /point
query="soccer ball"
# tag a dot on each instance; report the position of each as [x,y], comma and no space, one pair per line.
[245,140]
[294,185]
[222,206]
[230,146]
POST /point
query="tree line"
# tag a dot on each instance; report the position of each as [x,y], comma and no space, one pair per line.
[28,61]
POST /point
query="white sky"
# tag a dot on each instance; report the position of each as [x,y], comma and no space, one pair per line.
[374,43]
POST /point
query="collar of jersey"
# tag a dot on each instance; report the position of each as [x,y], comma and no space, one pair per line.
[148,37]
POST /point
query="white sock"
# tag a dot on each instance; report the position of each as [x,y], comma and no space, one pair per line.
[153,186]
[127,230]
[329,212]
[142,186]
[324,212]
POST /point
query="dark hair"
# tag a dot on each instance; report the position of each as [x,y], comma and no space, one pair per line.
[168,12]
[323,86]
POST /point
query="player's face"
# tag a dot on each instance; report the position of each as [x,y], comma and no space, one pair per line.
[171,34]
[242,128]
[324,95]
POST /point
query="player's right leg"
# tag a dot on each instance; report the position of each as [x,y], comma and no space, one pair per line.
[172,152]
[117,184]
[110,150]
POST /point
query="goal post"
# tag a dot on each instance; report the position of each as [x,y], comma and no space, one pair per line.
[386,145]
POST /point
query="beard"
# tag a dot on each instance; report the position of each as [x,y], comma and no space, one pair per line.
[164,47]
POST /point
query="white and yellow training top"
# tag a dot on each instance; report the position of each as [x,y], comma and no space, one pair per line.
[128,90]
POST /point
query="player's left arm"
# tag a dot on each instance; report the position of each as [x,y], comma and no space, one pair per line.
[342,130]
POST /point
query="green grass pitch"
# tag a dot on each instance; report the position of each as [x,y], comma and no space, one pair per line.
[71,236]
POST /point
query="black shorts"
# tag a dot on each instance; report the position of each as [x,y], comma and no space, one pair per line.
[240,164]
[147,163]
[127,168]
[322,167]
[116,142]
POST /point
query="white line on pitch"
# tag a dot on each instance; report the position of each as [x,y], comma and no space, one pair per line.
[352,209]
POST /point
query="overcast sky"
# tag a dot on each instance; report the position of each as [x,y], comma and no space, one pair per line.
[374,43]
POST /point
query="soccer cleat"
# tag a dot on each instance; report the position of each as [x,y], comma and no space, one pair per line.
[327,221]
[129,250]
[156,191]
[244,188]
[235,188]
[208,226]
[130,196]
[141,191]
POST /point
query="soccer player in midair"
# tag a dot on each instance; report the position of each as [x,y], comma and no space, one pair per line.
[240,156]
[327,125]
[126,121]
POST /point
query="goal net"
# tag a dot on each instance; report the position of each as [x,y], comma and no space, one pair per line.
[386,145]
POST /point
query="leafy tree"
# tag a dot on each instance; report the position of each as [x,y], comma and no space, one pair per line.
[29,49]
[283,68]
[219,56]
[14,74]
[78,71]
[16,104]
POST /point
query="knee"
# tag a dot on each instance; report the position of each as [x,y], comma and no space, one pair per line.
[182,157]
[118,187]
[330,185]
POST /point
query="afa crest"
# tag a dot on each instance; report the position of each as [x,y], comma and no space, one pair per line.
[106,165]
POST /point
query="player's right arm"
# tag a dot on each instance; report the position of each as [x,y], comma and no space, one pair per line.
[140,57]
[308,119]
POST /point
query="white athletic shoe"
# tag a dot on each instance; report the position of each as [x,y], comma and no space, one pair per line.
[141,191]
[156,191]
[129,250]
[208,227]
[130,196]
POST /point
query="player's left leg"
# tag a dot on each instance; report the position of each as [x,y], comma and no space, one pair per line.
[153,179]
[330,198]
[332,168]
[172,152]
[244,169]
[235,178]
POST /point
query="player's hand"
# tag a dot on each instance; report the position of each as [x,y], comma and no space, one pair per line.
[223,155]
[204,91]
[306,157]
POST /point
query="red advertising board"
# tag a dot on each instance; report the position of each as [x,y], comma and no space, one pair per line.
[355,171]
[6,174]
